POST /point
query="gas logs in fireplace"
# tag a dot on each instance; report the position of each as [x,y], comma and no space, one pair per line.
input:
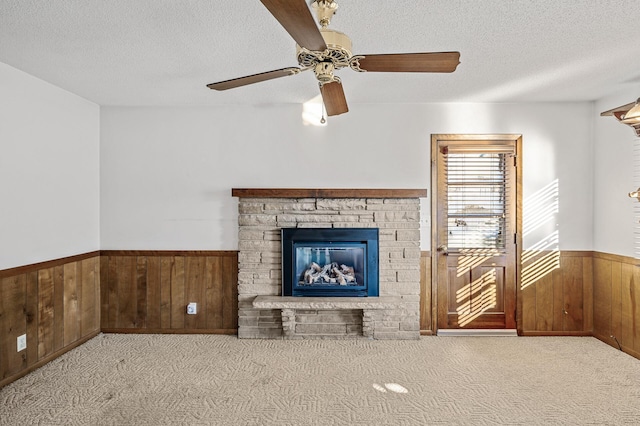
[331,273]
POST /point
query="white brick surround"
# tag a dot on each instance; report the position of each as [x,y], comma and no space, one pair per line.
[259,266]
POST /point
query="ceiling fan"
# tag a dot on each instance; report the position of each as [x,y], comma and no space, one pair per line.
[325,51]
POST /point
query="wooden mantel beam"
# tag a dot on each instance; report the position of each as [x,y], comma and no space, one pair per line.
[326,193]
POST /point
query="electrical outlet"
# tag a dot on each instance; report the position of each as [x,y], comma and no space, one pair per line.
[192,308]
[22,342]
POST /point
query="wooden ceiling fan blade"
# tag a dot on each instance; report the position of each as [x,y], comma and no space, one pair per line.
[411,62]
[296,18]
[333,98]
[254,78]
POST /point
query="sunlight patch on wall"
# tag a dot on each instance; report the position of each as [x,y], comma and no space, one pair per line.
[538,263]
[544,256]
[540,207]
[550,243]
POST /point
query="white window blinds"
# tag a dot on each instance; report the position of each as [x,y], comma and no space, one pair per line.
[477,190]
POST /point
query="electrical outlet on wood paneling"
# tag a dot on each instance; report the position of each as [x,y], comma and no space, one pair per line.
[22,342]
[192,308]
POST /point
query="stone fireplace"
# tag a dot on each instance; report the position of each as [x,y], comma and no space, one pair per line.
[262,310]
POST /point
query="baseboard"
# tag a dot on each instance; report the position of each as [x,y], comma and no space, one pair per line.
[614,344]
[185,253]
[556,333]
[486,332]
[227,331]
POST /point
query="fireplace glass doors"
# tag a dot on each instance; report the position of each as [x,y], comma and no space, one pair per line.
[330,262]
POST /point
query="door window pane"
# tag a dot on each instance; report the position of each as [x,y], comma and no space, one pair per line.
[476,200]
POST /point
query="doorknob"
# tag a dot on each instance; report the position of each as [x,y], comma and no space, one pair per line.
[443,249]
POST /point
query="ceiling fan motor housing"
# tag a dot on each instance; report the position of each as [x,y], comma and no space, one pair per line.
[338,51]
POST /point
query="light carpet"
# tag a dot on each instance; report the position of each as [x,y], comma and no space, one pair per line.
[220,380]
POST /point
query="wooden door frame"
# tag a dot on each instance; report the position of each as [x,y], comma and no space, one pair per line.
[435,138]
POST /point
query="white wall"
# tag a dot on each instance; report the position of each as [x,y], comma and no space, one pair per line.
[49,178]
[167,173]
[614,223]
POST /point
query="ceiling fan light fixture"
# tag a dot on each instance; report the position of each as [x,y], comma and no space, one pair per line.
[324,72]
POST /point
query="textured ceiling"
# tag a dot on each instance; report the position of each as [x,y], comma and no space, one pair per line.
[164,52]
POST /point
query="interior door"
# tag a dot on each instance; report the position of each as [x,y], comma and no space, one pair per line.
[474,243]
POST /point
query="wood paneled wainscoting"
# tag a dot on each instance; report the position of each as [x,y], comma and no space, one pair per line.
[617,301]
[55,303]
[148,291]
[555,295]
[62,303]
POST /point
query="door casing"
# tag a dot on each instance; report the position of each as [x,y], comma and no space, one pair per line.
[471,138]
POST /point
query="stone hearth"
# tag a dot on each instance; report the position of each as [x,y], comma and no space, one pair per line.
[262,215]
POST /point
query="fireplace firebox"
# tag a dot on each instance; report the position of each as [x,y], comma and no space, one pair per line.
[330,262]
